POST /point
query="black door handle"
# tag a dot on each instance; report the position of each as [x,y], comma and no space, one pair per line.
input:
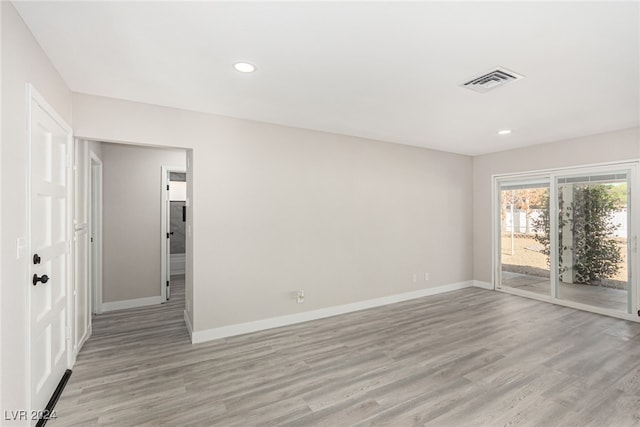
[44,279]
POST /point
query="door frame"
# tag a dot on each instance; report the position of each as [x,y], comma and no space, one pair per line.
[496,226]
[165,262]
[634,218]
[95,230]
[34,97]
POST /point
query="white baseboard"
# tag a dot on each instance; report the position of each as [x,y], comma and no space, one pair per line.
[483,285]
[275,322]
[131,303]
[83,340]
[176,263]
[188,323]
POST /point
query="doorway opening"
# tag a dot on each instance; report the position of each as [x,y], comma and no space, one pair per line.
[129,238]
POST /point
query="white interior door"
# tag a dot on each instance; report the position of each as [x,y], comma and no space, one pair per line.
[165,220]
[167,208]
[50,149]
[96,233]
[165,245]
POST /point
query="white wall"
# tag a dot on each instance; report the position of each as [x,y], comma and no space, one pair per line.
[23,61]
[614,146]
[96,148]
[277,209]
[132,201]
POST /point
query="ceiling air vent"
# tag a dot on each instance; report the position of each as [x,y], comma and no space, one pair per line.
[491,80]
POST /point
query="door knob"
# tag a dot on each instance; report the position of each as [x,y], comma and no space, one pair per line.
[44,279]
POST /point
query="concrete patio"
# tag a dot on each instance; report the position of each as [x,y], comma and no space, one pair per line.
[599,296]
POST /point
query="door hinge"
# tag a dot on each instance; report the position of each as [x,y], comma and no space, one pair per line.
[167,235]
[167,187]
[167,283]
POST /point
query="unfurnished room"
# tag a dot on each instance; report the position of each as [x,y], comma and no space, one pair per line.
[320,213]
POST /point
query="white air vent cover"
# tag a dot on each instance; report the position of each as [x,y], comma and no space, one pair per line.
[491,80]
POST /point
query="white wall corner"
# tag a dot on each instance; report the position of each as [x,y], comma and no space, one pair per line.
[481,284]
[276,322]
[84,339]
[131,303]
[188,323]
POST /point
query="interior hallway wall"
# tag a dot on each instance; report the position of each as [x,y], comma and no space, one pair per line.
[132,200]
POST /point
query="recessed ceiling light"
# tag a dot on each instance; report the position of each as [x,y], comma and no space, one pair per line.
[504,132]
[244,67]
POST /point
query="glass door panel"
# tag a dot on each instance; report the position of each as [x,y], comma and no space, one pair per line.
[592,240]
[524,243]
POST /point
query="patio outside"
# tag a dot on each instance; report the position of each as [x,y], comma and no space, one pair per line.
[527,269]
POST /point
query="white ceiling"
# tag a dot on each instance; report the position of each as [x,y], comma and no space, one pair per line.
[383,70]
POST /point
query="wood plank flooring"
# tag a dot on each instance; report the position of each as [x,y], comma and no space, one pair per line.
[466,358]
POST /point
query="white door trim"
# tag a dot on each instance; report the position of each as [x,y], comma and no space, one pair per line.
[165,262]
[80,248]
[95,220]
[34,97]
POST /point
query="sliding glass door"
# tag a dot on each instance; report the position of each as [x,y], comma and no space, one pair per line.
[566,237]
[593,235]
[523,262]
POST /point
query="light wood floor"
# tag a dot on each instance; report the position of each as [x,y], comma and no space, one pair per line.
[466,358]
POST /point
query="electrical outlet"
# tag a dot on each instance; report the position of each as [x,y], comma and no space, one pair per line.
[300,296]
[426,276]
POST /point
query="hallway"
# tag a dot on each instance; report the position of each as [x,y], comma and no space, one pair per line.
[101,381]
